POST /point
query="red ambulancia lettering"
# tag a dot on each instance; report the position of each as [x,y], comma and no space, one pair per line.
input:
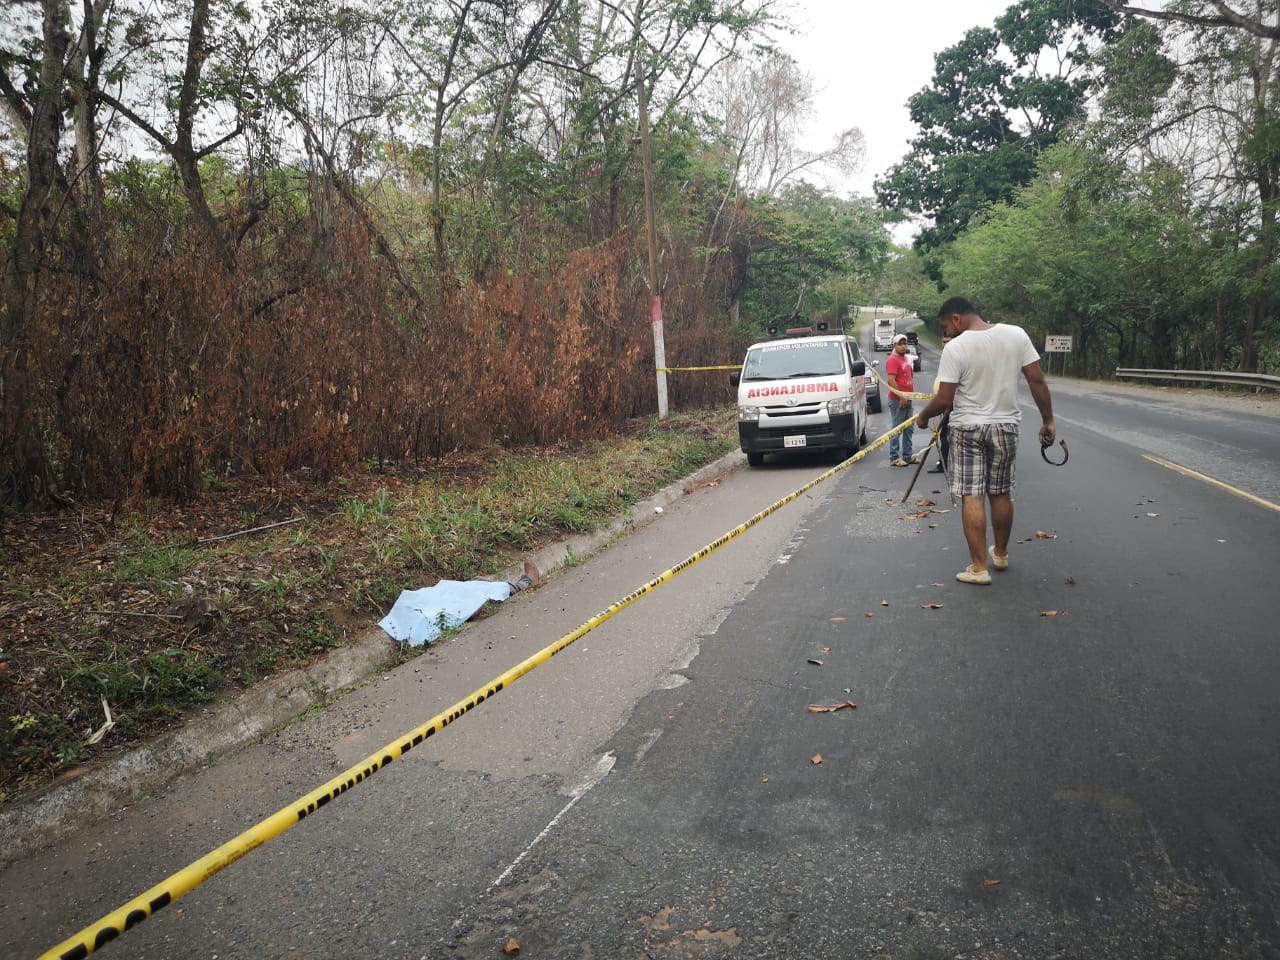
[790,389]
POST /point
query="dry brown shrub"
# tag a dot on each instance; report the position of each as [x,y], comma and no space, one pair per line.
[310,354]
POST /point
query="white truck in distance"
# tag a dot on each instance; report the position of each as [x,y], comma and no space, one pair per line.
[885,328]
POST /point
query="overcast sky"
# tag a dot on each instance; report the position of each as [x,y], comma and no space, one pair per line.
[867,59]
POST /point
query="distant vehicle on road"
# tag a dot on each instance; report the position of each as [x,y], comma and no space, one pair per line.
[873,390]
[883,332]
[913,351]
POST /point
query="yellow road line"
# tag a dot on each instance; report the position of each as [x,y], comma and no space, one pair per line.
[1178,468]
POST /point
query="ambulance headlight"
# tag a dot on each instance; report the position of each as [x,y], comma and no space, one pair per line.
[748,414]
[840,406]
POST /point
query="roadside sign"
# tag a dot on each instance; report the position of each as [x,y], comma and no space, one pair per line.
[1057,343]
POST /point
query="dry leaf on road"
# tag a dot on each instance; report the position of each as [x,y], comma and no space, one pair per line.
[847,705]
[1041,535]
[1048,613]
[816,759]
[512,947]
[930,606]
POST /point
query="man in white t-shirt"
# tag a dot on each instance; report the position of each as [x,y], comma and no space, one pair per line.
[977,382]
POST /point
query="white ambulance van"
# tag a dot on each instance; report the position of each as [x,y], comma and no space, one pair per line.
[802,393]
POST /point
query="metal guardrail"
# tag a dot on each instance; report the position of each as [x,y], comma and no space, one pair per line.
[1203,376]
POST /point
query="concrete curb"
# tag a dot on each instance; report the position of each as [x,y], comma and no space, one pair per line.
[30,824]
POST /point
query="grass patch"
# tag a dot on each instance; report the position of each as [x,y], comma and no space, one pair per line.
[157,616]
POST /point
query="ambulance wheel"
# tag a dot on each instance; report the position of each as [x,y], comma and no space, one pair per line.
[755,459]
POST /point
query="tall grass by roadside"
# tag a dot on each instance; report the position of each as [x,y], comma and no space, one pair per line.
[155,618]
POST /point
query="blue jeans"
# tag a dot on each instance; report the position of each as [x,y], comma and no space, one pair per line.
[899,414]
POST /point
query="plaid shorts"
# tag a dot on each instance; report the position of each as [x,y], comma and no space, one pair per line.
[980,459]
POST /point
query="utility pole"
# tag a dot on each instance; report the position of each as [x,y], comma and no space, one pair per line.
[655,295]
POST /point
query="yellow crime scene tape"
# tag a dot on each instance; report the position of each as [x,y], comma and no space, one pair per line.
[736,366]
[902,393]
[143,906]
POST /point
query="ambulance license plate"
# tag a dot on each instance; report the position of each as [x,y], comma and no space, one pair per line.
[796,441]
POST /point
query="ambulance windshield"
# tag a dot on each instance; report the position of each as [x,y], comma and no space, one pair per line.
[790,359]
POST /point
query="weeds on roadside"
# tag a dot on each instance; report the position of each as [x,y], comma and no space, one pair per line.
[157,626]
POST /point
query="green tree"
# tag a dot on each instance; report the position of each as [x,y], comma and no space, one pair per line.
[805,245]
[997,100]
[1203,97]
[1111,256]
[759,108]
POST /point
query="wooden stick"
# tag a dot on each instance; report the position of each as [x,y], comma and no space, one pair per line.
[243,533]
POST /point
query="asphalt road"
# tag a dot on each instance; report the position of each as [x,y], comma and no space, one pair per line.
[1102,782]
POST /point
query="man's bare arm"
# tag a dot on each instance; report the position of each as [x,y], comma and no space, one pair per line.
[944,396]
[1040,393]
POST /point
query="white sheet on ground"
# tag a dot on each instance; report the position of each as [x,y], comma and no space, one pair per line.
[420,616]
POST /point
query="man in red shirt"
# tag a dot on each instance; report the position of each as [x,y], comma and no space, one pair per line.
[899,369]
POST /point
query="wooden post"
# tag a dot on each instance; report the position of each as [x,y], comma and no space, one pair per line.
[655,295]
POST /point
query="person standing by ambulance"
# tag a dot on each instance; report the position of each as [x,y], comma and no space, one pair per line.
[899,369]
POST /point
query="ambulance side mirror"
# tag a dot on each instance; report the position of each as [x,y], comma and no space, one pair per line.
[859,368]
[735,378]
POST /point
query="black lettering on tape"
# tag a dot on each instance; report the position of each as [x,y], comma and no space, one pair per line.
[134,918]
[78,952]
[105,936]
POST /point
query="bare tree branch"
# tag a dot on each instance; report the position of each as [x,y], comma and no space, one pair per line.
[1226,18]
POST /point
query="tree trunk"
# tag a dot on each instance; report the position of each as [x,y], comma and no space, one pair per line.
[183,151]
[28,472]
[437,141]
[1259,311]
[84,70]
